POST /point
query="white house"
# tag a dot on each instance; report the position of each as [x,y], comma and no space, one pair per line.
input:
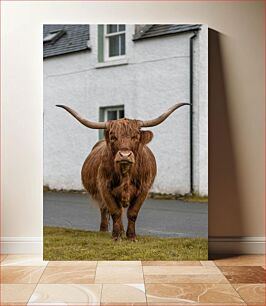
[138,71]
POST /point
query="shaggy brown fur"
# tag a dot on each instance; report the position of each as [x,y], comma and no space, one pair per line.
[119,172]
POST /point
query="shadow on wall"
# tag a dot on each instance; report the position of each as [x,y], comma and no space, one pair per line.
[225,213]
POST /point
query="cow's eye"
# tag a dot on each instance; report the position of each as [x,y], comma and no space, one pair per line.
[134,138]
[113,138]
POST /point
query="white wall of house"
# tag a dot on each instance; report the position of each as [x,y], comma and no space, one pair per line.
[200,112]
[155,77]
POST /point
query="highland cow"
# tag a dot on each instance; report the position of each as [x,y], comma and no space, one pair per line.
[120,169]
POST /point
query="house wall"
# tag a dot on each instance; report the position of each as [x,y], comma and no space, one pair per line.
[200,112]
[155,77]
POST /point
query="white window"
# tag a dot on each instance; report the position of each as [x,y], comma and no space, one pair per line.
[115,41]
[113,113]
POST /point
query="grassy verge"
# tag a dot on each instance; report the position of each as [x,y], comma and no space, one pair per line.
[186,198]
[151,195]
[193,198]
[69,244]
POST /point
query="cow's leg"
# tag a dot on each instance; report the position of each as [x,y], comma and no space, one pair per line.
[114,210]
[117,222]
[132,214]
[104,219]
[122,230]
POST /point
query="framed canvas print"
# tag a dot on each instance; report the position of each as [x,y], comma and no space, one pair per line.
[125,141]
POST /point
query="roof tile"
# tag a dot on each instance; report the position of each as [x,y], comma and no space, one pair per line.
[75,39]
[154,30]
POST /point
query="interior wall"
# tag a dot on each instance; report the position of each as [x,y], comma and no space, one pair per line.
[236,104]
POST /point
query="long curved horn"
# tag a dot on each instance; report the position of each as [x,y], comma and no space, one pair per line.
[87,123]
[160,119]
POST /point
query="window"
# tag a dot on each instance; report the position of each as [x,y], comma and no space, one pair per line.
[115,37]
[53,36]
[111,113]
[111,42]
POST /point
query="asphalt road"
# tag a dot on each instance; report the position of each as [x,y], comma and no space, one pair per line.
[164,218]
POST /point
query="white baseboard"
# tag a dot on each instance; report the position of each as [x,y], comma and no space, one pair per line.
[236,245]
[217,245]
[21,245]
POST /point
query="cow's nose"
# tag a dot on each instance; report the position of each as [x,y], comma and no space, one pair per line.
[125,153]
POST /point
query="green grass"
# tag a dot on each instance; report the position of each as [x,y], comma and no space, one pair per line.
[69,244]
[186,198]
[193,198]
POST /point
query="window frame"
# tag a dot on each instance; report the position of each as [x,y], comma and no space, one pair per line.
[112,108]
[103,115]
[107,43]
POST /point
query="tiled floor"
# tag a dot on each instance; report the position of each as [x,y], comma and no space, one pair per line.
[27,280]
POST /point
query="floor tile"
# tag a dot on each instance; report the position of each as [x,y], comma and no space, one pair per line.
[68,275]
[119,274]
[208,263]
[14,304]
[66,294]
[123,293]
[21,275]
[16,293]
[248,274]
[126,304]
[185,279]
[124,263]
[192,293]
[23,260]
[243,260]
[81,263]
[2,256]
[173,270]
[251,293]
[183,275]
[194,304]
[171,263]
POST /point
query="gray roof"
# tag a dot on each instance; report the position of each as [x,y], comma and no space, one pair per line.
[154,30]
[74,38]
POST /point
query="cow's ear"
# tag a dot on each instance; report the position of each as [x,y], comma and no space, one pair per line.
[146,137]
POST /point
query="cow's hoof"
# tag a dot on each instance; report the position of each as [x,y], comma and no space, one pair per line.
[132,238]
[104,227]
[122,234]
[117,239]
